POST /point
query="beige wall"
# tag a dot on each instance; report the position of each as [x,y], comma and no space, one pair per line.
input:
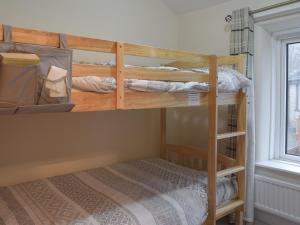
[111,136]
[117,135]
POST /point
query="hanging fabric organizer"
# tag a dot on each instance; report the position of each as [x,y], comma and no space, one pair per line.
[24,88]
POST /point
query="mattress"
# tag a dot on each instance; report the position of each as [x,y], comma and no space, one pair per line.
[229,80]
[142,192]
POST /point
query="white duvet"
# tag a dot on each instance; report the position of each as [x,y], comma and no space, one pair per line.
[229,80]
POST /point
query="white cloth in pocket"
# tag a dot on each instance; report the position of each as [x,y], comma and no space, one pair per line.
[56,84]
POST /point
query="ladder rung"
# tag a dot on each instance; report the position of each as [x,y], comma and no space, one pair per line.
[229,208]
[230,135]
[230,171]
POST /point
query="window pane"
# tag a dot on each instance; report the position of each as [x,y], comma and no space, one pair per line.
[293,99]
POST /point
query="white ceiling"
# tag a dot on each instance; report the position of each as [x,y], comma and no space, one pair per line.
[184,6]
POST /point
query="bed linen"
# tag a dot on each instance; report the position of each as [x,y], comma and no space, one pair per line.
[142,192]
[229,80]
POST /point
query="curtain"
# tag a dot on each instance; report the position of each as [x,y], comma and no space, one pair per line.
[242,42]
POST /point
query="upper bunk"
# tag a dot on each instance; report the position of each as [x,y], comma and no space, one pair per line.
[122,97]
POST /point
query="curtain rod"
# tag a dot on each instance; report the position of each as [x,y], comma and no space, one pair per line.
[228,18]
[273,6]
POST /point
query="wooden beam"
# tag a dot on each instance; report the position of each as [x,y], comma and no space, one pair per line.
[188,151]
[120,76]
[152,52]
[228,98]
[231,60]
[200,154]
[230,135]
[228,208]
[152,74]
[235,60]
[146,100]
[36,37]
[230,171]
[93,102]
[91,44]
[226,161]
[212,139]
[241,151]
[81,70]
[1,32]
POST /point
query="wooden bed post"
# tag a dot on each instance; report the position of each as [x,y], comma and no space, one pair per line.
[241,154]
[212,139]
[163,133]
[120,75]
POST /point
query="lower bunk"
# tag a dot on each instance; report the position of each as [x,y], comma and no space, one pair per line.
[141,192]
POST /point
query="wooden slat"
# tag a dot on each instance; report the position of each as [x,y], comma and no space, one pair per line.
[152,74]
[30,36]
[237,60]
[80,70]
[91,44]
[146,100]
[163,133]
[199,154]
[1,32]
[229,208]
[91,102]
[187,150]
[241,149]
[231,134]
[212,139]
[230,171]
[120,76]
[136,100]
[186,64]
[228,98]
[230,60]
[36,37]
[140,100]
[152,52]
[226,161]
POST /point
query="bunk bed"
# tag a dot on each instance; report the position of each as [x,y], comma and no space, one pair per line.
[217,165]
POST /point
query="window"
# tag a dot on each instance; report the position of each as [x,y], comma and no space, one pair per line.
[289,147]
[292,146]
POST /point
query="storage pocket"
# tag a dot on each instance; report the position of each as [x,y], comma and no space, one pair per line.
[18,85]
[23,92]
[51,108]
[55,87]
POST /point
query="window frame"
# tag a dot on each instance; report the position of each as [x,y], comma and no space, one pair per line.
[282,69]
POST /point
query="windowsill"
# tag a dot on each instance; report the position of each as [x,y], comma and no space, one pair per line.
[281,166]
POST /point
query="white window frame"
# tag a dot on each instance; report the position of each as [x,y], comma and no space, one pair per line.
[281,40]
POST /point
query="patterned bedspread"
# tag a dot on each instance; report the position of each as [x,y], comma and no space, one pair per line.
[143,192]
[229,80]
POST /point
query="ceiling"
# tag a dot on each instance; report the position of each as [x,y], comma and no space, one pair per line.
[184,6]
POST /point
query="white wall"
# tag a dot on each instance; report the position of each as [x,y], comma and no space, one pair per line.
[263,85]
[121,135]
[206,30]
[140,21]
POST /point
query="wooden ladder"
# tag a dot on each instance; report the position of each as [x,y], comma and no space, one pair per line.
[237,205]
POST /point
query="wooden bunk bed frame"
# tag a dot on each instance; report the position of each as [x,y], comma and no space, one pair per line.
[217,164]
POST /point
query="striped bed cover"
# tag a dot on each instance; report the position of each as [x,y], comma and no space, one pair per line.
[142,192]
